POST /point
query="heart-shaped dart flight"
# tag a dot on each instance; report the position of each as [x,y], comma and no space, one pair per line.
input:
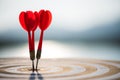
[45,18]
[28,22]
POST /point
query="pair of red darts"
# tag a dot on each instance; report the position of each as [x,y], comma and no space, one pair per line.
[30,21]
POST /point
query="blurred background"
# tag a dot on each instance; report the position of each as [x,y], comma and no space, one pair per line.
[79,29]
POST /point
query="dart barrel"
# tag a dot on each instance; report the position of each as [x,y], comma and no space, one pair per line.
[32,55]
[38,56]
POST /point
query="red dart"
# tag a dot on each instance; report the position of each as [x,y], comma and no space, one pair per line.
[28,22]
[35,27]
[45,18]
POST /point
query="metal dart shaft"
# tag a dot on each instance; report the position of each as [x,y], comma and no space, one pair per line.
[38,57]
[37,64]
[32,57]
[33,65]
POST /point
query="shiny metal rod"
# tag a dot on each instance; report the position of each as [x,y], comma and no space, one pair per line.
[38,57]
[37,64]
[33,65]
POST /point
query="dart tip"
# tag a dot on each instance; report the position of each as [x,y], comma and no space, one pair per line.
[37,65]
[33,65]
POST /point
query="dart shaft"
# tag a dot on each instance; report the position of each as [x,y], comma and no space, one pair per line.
[29,41]
[38,57]
[32,40]
[33,65]
[40,42]
[37,64]
[31,45]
